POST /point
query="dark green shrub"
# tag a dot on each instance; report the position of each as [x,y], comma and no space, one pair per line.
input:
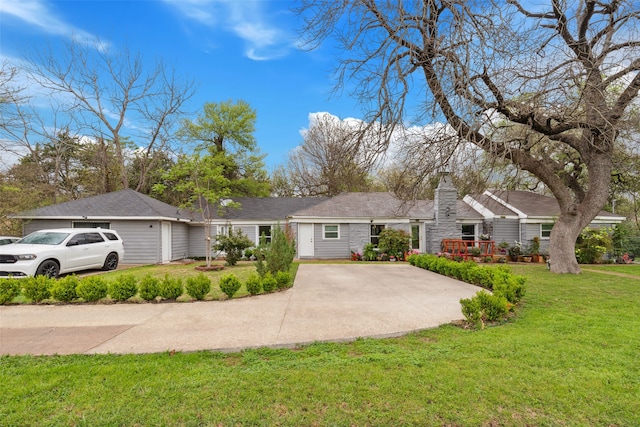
[369,253]
[65,289]
[171,287]
[37,288]
[269,283]
[9,289]
[229,284]
[276,255]
[484,307]
[283,280]
[233,244]
[199,286]
[123,288]
[253,284]
[149,288]
[92,288]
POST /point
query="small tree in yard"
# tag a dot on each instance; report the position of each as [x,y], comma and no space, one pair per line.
[233,244]
[277,255]
[394,242]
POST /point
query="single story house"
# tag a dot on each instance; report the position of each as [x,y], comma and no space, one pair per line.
[324,227]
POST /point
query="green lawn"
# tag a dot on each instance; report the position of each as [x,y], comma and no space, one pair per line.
[569,358]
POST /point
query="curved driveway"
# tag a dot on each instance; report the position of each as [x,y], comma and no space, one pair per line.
[329,302]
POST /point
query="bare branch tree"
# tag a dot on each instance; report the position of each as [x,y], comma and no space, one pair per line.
[546,89]
[113,97]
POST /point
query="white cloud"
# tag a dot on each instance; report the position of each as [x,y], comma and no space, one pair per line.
[247,20]
[36,13]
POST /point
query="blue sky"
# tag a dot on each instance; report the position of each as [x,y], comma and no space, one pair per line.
[232,49]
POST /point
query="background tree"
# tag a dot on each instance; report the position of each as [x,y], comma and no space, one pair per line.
[225,131]
[532,87]
[330,160]
[112,96]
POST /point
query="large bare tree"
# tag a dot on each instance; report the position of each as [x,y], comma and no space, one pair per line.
[330,160]
[112,96]
[546,88]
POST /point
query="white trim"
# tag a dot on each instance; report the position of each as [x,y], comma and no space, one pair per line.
[478,207]
[521,214]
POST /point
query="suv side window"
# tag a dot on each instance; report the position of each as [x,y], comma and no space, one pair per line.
[93,238]
[110,236]
[76,240]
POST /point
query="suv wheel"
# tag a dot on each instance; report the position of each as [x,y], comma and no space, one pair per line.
[48,268]
[111,262]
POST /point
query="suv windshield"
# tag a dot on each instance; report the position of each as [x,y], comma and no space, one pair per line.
[44,238]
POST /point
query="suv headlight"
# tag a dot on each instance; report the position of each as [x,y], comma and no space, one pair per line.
[26,257]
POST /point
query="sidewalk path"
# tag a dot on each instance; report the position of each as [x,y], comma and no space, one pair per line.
[329,302]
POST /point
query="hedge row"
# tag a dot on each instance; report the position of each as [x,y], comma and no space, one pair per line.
[507,289]
[94,288]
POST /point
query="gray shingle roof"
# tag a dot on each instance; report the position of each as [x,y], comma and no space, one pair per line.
[123,203]
[266,208]
[536,205]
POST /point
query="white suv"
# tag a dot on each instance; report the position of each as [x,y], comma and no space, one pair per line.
[64,250]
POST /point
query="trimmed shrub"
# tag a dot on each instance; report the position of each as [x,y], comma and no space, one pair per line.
[269,283]
[65,289]
[198,287]
[171,287]
[229,284]
[283,280]
[123,288]
[92,288]
[9,289]
[149,288]
[233,244]
[37,288]
[484,307]
[253,284]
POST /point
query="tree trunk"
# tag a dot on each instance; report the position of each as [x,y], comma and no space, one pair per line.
[562,244]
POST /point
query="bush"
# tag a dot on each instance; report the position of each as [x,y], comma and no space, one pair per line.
[92,288]
[149,288]
[269,283]
[37,288]
[484,307]
[233,244]
[253,284]
[170,287]
[198,287]
[394,242]
[123,288]
[229,284]
[283,279]
[592,244]
[9,289]
[65,289]
[369,253]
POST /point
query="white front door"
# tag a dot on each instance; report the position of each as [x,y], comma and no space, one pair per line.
[305,240]
[166,242]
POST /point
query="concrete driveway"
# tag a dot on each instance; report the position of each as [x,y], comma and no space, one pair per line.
[329,302]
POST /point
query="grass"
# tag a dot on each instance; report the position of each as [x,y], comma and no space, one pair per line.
[569,358]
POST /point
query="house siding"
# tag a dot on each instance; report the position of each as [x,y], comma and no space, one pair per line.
[250,231]
[358,237]
[147,236]
[331,248]
[43,224]
[179,241]
[506,230]
[197,242]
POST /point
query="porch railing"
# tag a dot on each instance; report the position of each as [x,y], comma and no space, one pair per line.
[463,248]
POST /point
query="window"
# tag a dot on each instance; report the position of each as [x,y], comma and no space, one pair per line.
[415,237]
[111,236]
[264,230]
[468,232]
[89,224]
[545,230]
[93,238]
[331,231]
[376,229]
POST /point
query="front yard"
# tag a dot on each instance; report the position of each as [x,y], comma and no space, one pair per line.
[569,358]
